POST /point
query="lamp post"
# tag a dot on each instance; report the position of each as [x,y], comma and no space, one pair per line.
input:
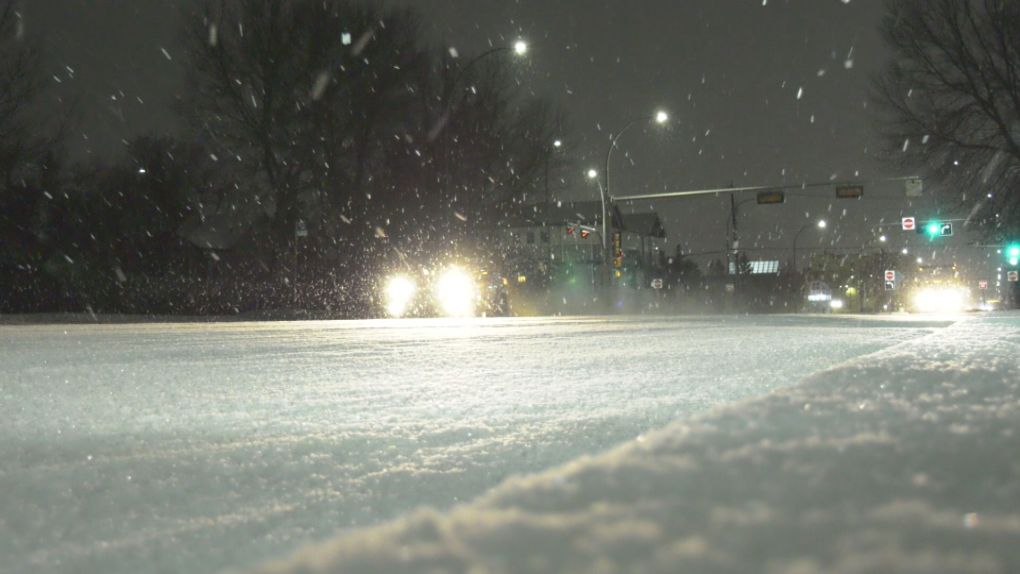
[519,48]
[439,134]
[594,175]
[660,117]
[732,246]
[820,225]
[863,273]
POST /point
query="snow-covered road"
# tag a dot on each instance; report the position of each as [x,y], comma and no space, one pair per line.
[192,447]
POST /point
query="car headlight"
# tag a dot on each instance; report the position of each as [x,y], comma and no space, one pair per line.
[456,293]
[939,300]
[398,295]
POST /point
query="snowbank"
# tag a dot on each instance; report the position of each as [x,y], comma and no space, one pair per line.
[907,460]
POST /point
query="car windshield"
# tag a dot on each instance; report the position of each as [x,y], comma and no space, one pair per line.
[529,286]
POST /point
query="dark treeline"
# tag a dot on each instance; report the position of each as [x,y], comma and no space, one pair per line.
[322,142]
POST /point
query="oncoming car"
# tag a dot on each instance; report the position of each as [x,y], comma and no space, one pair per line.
[450,291]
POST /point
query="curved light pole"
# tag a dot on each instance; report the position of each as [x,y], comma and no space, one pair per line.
[438,132]
[820,225]
[594,174]
[519,48]
[659,117]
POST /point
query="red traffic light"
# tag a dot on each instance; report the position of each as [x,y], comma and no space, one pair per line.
[585,233]
[570,230]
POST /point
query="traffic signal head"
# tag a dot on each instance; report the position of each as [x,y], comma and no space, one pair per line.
[936,228]
[585,233]
[1013,253]
[570,230]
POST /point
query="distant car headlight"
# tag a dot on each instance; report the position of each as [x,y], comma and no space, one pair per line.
[398,295]
[939,300]
[456,293]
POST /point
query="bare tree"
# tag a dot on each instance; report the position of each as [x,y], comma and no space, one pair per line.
[479,146]
[32,132]
[22,82]
[300,92]
[948,103]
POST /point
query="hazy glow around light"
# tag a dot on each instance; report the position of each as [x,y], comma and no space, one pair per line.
[661,117]
[935,300]
[822,224]
[399,294]
[456,292]
[557,143]
[521,47]
[592,173]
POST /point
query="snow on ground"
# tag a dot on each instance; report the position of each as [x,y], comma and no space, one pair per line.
[194,447]
[907,460]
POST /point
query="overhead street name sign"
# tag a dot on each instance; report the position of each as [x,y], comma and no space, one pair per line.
[771,196]
[909,224]
[849,191]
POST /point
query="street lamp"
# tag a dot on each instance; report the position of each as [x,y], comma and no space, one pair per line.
[660,117]
[820,225]
[519,48]
[594,174]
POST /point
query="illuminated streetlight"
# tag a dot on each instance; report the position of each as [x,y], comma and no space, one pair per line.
[660,117]
[820,225]
[521,47]
[557,143]
[594,174]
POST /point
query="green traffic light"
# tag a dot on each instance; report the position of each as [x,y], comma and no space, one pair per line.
[1014,251]
[933,228]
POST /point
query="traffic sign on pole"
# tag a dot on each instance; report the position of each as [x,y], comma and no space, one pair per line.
[656,283]
[982,284]
[915,188]
[890,285]
[909,224]
[1012,276]
[890,276]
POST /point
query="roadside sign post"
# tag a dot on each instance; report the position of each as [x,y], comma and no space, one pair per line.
[1011,276]
[892,277]
[909,224]
[915,187]
[656,283]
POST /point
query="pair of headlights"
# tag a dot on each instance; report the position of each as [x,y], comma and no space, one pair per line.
[940,300]
[454,292]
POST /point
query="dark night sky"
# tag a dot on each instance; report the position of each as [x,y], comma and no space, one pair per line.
[728,71]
